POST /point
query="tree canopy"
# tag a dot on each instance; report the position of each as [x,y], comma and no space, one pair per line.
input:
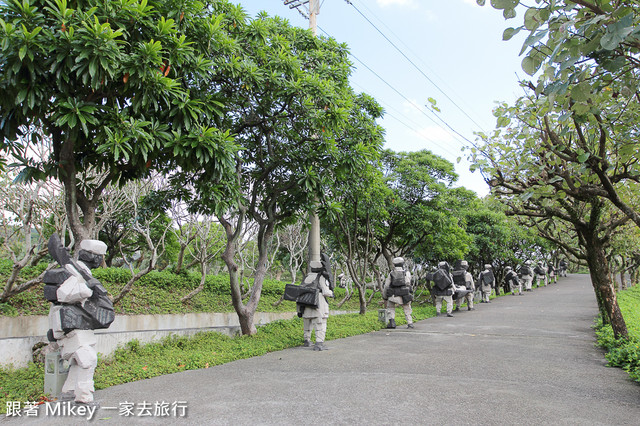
[116,87]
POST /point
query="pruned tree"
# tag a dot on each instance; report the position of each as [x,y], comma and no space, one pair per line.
[294,239]
[149,225]
[29,213]
[206,246]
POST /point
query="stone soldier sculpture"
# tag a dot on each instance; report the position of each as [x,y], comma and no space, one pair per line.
[79,305]
[562,268]
[540,274]
[526,274]
[327,272]
[443,288]
[463,278]
[512,281]
[553,275]
[486,281]
[315,315]
[397,291]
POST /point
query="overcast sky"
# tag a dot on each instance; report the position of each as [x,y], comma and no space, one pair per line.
[458,56]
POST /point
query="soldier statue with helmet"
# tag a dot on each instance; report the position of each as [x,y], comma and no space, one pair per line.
[397,291]
[79,305]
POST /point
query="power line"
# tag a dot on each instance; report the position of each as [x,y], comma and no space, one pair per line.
[414,65]
[456,135]
[423,63]
[413,104]
[408,126]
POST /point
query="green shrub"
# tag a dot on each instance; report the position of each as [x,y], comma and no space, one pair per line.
[112,275]
[6,265]
[272,288]
[166,280]
[218,284]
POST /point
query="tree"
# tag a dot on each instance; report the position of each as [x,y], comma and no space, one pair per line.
[24,214]
[419,222]
[287,101]
[532,182]
[207,244]
[584,54]
[356,203]
[151,227]
[294,240]
[115,85]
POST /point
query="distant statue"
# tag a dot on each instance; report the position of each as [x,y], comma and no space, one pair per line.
[79,305]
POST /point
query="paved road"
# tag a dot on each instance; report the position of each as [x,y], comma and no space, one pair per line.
[520,360]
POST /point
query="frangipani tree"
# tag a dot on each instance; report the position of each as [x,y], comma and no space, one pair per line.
[115,85]
[288,103]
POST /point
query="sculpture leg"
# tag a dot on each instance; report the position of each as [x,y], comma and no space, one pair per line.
[306,334]
[87,360]
[70,383]
[321,329]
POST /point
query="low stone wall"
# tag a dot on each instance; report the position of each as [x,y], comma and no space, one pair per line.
[19,334]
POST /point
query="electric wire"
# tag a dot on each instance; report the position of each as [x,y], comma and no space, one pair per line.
[414,64]
[414,105]
[456,133]
[448,129]
[405,124]
[442,81]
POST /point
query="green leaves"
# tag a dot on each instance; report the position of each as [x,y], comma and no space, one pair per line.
[531,64]
[510,32]
[73,112]
[534,18]
[504,4]
[581,92]
[617,32]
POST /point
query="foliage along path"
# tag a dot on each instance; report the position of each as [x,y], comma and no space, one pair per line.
[518,360]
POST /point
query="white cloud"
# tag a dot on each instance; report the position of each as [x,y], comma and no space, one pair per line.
[413,4]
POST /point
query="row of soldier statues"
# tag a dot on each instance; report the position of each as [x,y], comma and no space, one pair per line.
[80,304]
[453,286]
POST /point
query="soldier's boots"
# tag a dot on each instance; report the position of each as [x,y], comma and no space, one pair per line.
[319,346]
[410,326]
[392,323]
[450,315]
[306,343]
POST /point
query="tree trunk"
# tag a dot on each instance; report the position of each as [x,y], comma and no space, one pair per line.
[600,279]
[245,312]
[180,261]
[363,300]
[127,288]
[346,297]
[200,287]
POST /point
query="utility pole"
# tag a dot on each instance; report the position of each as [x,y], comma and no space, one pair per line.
[310,9]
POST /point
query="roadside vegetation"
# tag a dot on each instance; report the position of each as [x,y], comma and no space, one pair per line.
[136,361]
[160,292]
[217,163]
[624,353]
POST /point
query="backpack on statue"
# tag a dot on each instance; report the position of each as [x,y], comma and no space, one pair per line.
[441,279]
[397,278]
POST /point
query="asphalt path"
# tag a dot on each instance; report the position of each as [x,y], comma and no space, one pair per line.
[525,360]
